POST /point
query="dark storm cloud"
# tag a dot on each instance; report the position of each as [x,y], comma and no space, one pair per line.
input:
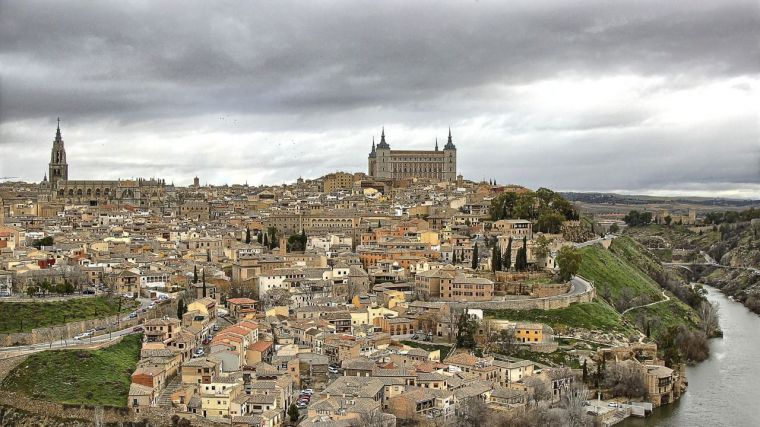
[323,72]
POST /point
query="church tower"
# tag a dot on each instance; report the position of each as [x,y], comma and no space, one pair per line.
[59,169]
[450,160]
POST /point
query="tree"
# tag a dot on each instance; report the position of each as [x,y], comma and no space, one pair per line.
[195,274]
[466,327]
[453,257]
[31,291]
[496,258]
[708,315]
[668,219]
[573,403]
[204,283]
[293,412]
[521,261]
[45,241]
[538,390]
[475,257]
[541,247]
[625,379]
[180,308]
[550,222]
[247,235]
[585,370]
[614,228]
[569,261]
[208,255]
[505,340]
[635,218]
[272,231]
[472,412]
[507,261]
[265,240]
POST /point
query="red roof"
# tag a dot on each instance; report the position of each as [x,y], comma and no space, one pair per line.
[260,346]
[241,301]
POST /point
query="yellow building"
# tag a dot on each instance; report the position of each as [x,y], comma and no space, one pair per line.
[529,332]
[430,237]
[337,181]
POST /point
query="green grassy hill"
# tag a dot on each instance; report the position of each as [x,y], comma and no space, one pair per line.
[618,275]
[25,316]
[95,377]
[593,316]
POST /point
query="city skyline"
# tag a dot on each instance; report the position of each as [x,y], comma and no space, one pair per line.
[585,97]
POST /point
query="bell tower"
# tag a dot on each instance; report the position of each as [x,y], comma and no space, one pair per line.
[59,169]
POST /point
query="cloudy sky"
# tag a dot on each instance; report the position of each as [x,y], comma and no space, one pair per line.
[656,97]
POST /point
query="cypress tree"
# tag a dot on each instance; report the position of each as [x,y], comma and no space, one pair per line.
[454,256]
[180,308]
[475,257]
[247,235]
[195,274]
[507,262]
[304,239]
[208,255]
[204,283]
[265,242]
[495,259]
[585,370]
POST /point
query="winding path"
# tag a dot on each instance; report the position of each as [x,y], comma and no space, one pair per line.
[667,298]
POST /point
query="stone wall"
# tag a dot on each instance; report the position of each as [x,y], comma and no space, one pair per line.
[71,329]
[548,303]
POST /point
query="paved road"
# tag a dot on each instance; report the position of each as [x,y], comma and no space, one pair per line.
[595,241]
[107,336]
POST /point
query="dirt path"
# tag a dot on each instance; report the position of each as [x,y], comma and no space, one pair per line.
[667,298]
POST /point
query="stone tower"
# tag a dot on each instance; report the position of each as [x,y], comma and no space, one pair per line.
[383,159]
[58,168]
[450,160]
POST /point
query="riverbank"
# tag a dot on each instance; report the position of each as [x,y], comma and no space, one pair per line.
[722,390]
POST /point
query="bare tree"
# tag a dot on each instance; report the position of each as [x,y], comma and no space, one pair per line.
[573,403]
[708,314]
[472,411]
[538,389]
[625,379]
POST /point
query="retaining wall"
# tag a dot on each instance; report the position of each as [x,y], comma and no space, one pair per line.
[548,303]
[71,329]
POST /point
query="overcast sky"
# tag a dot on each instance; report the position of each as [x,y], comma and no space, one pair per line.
[656,97]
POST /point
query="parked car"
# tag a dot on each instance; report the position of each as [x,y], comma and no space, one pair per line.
[307,391]
[132,315]
[198,352]
[80,336]
[333,370]
[216,327]
[302,405]
[137,329]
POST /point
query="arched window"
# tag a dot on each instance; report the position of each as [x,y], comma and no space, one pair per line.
[79,192]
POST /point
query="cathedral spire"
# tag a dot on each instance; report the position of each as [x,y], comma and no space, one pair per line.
[382,143]
[58,138]
[450,144]
[436,143]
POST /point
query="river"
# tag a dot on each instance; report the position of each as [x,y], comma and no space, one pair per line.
[724,390]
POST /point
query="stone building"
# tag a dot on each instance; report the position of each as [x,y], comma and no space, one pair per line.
[59,188]
[385,163]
